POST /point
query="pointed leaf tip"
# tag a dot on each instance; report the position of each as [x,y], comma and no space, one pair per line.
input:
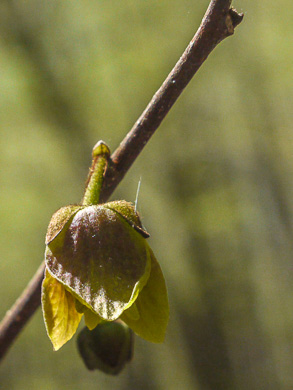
[127,211]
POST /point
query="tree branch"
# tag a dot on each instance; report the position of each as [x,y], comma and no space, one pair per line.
[21,311]
[218,23]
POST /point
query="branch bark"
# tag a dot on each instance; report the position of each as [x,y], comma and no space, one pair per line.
[218,23]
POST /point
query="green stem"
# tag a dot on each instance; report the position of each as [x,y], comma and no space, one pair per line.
[101,154]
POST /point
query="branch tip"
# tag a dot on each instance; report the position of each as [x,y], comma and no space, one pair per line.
[233,19]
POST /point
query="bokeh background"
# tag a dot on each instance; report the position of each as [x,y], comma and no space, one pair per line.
[216,192]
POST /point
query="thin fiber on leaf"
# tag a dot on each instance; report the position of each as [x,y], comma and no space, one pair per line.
[60,315]
[127,211]
[152,306]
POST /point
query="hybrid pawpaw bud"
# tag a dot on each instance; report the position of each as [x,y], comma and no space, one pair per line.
[99,255]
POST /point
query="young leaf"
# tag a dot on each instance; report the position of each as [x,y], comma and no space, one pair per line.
[60,315]
[91,319]
[102,259]
[152,306]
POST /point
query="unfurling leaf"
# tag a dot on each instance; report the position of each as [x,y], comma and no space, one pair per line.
[152,307]
[99,264]
[60,315]
[102,259]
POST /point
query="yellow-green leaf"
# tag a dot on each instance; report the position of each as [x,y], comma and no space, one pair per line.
[91,319]
[132,312]
[152,306]
[60,315]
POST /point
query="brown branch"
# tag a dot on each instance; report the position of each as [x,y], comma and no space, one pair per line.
[21,311]
[218,23]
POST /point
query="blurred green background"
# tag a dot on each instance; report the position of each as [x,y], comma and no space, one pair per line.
[216,191]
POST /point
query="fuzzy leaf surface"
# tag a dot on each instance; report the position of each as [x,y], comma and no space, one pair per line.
[102,259]
[59,220]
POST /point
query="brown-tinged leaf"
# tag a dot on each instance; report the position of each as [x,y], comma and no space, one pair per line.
[102,259]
